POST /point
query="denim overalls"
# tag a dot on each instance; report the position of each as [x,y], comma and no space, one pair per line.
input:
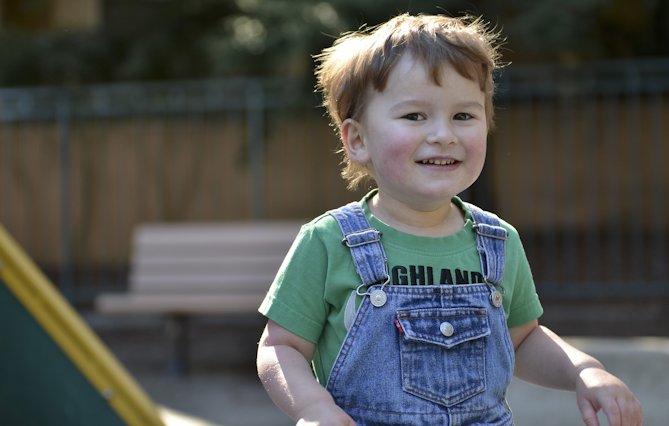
[424,355]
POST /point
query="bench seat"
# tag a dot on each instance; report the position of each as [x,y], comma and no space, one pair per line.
[183,269]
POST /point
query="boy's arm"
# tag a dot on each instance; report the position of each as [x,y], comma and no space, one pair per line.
[543,358]
[284,368]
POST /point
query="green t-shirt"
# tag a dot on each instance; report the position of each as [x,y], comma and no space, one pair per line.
[309,294]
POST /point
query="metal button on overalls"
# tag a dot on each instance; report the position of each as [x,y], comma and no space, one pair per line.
[446,329]
[378,298]
[496,298]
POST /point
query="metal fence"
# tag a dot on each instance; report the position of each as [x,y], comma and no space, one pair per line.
[576,163]
[591,144]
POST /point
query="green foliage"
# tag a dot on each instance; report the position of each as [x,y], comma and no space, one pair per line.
[560,27]
[577,30]
[218,38]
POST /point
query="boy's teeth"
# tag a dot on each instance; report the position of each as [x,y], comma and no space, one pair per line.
[439,162]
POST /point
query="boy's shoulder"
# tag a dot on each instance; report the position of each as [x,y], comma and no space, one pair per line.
[321,226]
[326,221]
[468,207]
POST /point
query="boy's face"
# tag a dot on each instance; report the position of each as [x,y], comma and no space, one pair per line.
[423,143]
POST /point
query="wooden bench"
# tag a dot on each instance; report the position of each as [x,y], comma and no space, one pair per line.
[181,270]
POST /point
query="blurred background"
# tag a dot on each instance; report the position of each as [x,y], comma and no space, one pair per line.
[120,112]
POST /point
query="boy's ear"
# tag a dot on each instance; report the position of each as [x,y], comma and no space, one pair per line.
[353,141]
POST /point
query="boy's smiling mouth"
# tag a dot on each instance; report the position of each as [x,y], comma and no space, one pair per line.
[438,161]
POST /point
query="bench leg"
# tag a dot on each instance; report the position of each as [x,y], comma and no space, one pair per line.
[177,331]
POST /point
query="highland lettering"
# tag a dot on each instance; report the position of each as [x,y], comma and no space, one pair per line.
[426,275]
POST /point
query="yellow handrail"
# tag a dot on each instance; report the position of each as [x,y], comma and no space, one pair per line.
[55,315]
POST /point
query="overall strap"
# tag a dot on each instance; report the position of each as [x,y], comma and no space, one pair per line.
[364,243]
[490,238]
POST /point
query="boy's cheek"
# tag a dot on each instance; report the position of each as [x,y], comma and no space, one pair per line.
[395,160]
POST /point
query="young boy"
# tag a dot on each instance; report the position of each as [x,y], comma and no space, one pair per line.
[411,306]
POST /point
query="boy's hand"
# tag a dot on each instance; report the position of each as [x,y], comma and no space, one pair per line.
[597,390]
[324,414]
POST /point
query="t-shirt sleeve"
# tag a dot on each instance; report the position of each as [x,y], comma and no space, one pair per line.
[295,299]
[525,305]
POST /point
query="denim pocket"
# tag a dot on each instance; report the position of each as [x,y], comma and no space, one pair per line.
[442,352]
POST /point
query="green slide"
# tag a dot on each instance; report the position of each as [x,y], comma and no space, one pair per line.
[54,370]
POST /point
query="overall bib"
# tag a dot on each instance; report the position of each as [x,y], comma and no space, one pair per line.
[424,355]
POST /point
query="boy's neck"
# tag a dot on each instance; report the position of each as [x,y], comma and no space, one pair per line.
[437,221]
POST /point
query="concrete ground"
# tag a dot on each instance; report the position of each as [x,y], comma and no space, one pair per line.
[222,387]
[642,363]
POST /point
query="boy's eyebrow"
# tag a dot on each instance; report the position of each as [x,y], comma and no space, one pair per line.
[420,103]
[470,104]
[408,103]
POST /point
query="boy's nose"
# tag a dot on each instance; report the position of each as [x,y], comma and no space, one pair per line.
[441,132]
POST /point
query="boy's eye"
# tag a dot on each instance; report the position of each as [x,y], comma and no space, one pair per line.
[463,116]
[414,116]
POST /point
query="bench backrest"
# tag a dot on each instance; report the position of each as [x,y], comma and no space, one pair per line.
[208,258]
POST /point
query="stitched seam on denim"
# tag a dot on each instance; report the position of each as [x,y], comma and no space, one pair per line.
[369,257]
[491,249]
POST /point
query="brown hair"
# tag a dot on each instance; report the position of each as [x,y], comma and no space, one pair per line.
[358,59]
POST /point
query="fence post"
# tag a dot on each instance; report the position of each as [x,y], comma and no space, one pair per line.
[64,121]
[255,130]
